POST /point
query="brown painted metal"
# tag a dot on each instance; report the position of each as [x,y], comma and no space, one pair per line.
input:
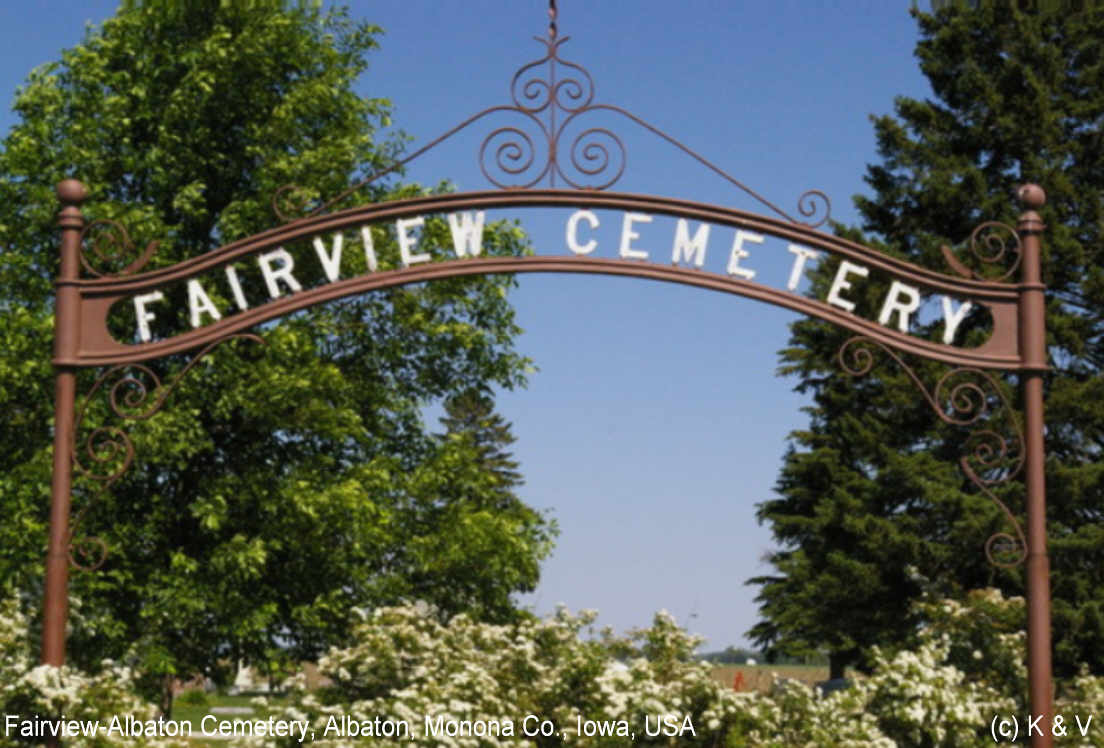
[66,323]
[97,347]
[1017,342]
[1033,347]
[549,96]
[970,398]
[549,105]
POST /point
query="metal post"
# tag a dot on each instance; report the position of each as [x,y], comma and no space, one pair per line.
[66,342]
[1033,351]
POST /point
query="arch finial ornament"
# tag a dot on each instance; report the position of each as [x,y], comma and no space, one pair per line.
[547,138]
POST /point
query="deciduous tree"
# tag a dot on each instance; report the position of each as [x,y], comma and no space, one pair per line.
[282,486]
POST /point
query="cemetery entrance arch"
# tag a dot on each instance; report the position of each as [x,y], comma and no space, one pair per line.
[227,293]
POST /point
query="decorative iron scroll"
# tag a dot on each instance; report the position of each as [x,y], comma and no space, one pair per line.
[134,393]
[549,139]
[111,244]
[990,243]
[968,397]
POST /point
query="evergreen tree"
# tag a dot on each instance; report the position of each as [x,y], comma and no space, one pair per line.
[471,414]
[487,492]
[284,486]
[871,486]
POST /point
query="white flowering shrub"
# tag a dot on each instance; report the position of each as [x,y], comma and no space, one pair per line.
[591,688]
[33,695]
[984,637]
[405,664]
[919,699]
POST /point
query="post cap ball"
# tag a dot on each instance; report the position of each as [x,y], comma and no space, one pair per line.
[1031,195]
[72,191]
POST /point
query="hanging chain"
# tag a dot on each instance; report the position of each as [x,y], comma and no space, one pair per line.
[551,19]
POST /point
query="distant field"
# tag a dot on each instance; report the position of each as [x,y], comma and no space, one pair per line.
[761,677]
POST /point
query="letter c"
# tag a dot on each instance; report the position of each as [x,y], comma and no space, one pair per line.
[573,229]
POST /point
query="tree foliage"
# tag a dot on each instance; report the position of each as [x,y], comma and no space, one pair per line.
[281,485]
[871,485]
[471,414]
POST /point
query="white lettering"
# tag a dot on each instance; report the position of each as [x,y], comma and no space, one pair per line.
[142,315]
[573,229]
[893,304]
[235,287]
[369,248]
[467,234]
[200,303]
[739,253]
[628,234]
[840,284]
[952,318]
[331,263]
[801,256]
[693,249]
[406,241]
[282,273]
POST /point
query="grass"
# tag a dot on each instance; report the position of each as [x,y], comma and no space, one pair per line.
[190,708]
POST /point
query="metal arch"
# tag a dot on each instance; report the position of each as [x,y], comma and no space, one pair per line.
[1023,304]
[96,296]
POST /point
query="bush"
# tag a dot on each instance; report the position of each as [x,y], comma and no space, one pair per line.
[32,693]
[965,666]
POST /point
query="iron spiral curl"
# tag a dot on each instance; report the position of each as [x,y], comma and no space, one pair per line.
[508,156]
[965,397]
[87,552]
[291,202]
[815,206]
[991,243]
[111,245]
[548,94]
[596,153]
[133,392]
[534,91]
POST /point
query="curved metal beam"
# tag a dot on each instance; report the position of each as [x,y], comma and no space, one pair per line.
[96,347]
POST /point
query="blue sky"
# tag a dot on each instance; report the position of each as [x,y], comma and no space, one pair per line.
[656,421]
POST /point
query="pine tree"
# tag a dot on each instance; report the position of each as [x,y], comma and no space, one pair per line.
[471,414]
[870,488]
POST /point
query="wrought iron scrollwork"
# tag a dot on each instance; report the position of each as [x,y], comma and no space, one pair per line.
[971,398]
[991,243]
[111,245]
[595,156]
[134,392]
[552,102]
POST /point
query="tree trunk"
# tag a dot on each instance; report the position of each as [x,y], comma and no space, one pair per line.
[166,696]
[837,663]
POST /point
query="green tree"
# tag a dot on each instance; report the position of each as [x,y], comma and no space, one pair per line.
[471,413]
[283,486]
[869,487]
[473,426]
